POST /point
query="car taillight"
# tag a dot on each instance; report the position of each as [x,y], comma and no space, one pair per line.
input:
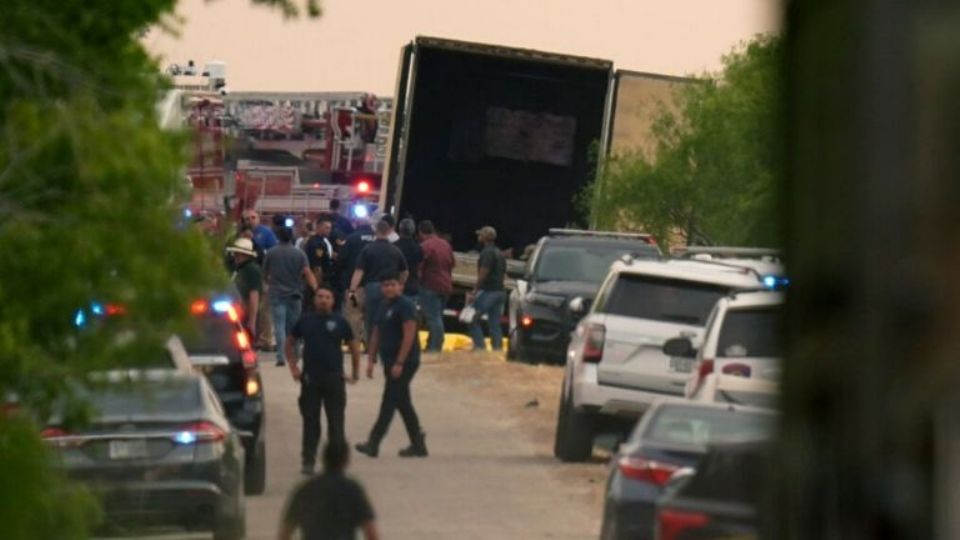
[526,321]
[672,523]
[594,335]
[243,340]
[200,432]
[737,369]
[645,470]
[249,358]
[252,387]
[59,437]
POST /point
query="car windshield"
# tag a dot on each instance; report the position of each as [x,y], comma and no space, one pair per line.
[750,332]
[588,264]
[145,397]
[666,300]
[692,425]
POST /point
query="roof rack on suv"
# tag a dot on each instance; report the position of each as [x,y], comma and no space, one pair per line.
[728,252]
[648,238]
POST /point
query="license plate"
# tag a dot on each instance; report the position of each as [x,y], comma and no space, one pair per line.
[682,365]
[128,449]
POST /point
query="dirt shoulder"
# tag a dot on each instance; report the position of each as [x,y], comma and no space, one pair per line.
[529,396]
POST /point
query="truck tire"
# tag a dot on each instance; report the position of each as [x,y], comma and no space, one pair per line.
[573,441]
[256,471]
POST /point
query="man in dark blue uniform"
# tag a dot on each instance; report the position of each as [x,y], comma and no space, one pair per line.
[394,338]
[322,380]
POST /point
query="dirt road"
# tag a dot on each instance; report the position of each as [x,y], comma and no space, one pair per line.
[490,475]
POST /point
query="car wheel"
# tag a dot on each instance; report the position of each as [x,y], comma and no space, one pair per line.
[574,436]
[256,472]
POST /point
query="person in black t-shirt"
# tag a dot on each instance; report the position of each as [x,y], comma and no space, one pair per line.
[329,506]
[488,296]
[379,258]
[322,380]
[394,338]
[413,254]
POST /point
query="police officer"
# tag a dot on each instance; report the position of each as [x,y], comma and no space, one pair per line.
[378,259]
[322,380]
[394,338]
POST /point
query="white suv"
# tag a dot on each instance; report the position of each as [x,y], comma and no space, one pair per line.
[616,366]
[739,360]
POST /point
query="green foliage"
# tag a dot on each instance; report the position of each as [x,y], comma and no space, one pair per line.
[90,209]
[712,178]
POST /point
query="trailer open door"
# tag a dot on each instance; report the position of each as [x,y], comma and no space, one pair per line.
[392,184]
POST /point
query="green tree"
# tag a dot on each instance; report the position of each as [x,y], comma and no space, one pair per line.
[713,176]
[90,195]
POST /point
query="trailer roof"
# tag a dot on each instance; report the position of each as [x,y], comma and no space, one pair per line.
[512,52]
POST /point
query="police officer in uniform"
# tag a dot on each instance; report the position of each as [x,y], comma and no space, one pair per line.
[322,379]
[394,339]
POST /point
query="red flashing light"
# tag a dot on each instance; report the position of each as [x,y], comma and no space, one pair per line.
[200,307]
[52,433]
[651,472]
[526,321]
[363,187]
[115,309]
[249,358]
[233,314]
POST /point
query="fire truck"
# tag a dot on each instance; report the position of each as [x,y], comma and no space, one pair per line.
[277,152]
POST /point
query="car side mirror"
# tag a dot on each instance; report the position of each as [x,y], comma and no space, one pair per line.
[680,347]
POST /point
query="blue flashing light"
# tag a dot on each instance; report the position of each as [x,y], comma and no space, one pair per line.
[185,437]
[222,306]
[96,308]
[288,223]
[187,213]
[361,211]
[770,282]
[80,318]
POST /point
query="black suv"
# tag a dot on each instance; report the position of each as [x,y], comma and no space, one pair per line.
[221,349]
[560,282]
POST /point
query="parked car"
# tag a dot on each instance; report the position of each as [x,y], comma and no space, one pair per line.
[740,356]
[673,434]
[559,284]
[721,499]
[220,348]
[159,451]
[616,366]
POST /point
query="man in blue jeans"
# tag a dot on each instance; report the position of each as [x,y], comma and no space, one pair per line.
[489,295]
[436,282]
[286,269]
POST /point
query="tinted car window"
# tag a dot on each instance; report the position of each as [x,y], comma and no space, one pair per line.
[173,396]
[750,332]
[667,300]
[211,334]
[702,426]
[582,262]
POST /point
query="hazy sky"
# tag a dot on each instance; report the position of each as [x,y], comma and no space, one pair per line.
[356,44]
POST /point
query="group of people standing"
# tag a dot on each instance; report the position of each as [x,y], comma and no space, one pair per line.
[346,283]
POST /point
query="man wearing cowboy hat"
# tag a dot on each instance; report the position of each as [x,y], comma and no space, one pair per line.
[249,280]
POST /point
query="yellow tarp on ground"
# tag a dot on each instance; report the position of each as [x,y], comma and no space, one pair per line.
[456,342]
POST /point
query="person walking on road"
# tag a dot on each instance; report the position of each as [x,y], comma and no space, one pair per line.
[488,296]
[436,282]
[349,253]
[248,279]
[394,338]
[378,259]
[412,254]
[286,269]
[320,252]
[322,379]
[263,237]
[329,506]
